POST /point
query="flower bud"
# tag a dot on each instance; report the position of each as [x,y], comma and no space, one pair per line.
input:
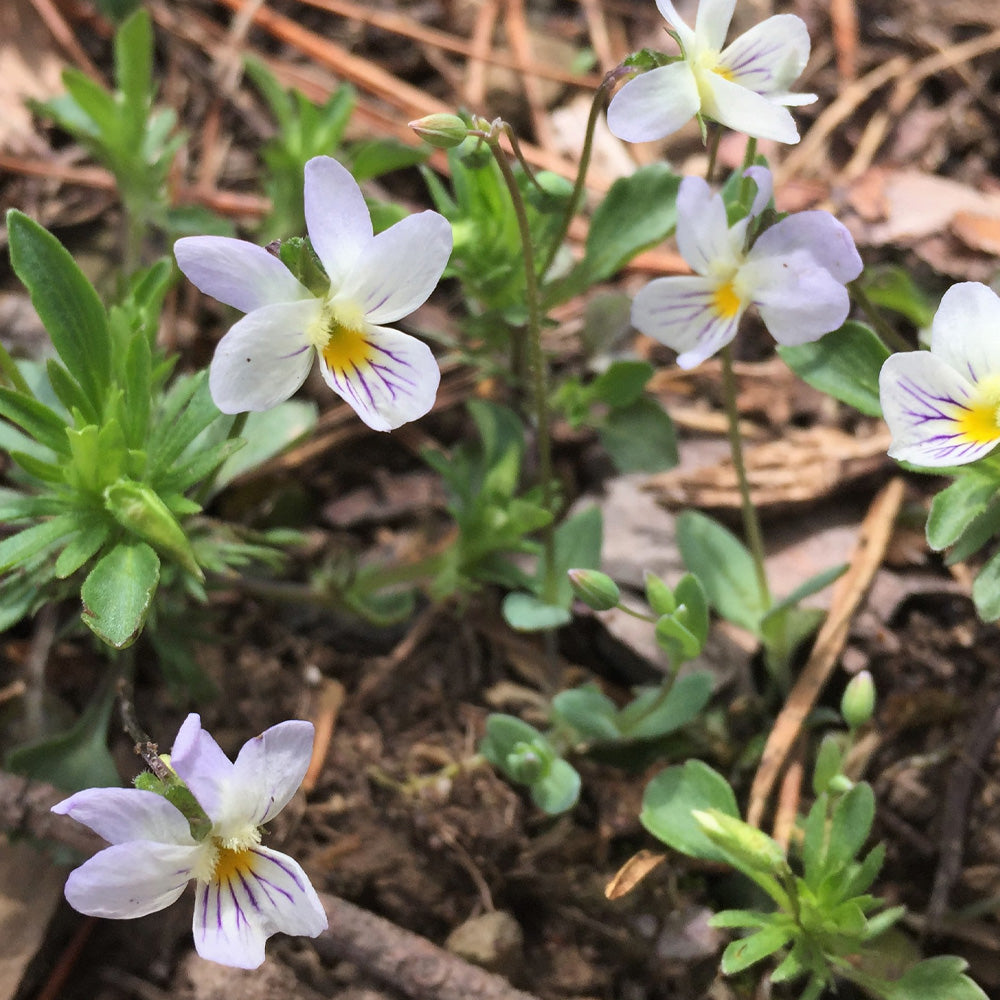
[527,763]
[858,703]
[442,131]
[596,589]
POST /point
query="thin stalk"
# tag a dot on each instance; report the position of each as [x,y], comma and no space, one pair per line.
[713,151]
[597,105]
[751,522]
[890,337]
[538,364]
[525,166]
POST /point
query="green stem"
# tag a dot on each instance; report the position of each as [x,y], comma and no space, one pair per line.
[713,151]
[890,337]
[539,367]
[751,522]
[516,147]
[597,105]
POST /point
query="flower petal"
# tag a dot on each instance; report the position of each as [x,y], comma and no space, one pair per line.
[827,241]
[928,405]
[743,110]
[703,235]
[337,218]
[762,178]
[202,766]
[123,814]
[770,56]
[681,312]
[712,22]
[397,270]
[263,358]
[966,330]
[798,299]
[269,769]
[679,25]
[654,104]
[235,916]
[393,381]
[237,273]
[131,880]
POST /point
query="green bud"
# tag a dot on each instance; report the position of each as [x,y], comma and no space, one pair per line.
[858,704]
[840,784]
[659,596]
[442,131]
[139,508]
[527,763]
[596,589]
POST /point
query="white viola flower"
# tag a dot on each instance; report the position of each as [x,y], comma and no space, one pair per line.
[943,405]
[744,86]
[245,891]
[387,376]
[794,274]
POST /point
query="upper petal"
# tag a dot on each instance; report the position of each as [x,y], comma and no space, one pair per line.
[337,218]
[398,269]
[770,56]
[263,358]
[712,22]
[827,241]
[682,312]
[743,110]
[680,26]
[131,880]
[123,814]
[927,405]
[237,273]
[390,379]
[202,766]
[269,892]
[966,330]
[270,767]
[703,236]
[654,104]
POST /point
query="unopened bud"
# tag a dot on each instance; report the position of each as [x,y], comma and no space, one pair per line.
[858,704]
[441,130]
[527,763]
[596,589]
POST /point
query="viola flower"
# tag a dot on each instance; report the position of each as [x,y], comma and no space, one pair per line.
[743,86]
[943,405]
[388,377]
[794,274]
[245,891]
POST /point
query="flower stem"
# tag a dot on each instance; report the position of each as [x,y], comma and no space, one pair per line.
[751,522]
[539,366]
[890,337]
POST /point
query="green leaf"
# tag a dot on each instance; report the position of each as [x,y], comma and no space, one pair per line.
[31,541]
[66,303]
[844,364]
[376,157]
[940,978]
[643,719]
[724,567]
[43,424]
[986,590]
[851,823]
[811,586]
[558,790]
[134,69]
[743,953]
[894,288]
[957,506]
[77,758]
[91,534]
[659,596]
[528,613]
[622,383]
[587,711]
[670,800]
[640,437]
[118,592]
[577,546]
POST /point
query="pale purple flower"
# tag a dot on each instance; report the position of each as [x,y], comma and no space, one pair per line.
[744,86]
[245,892]
[943,405]
[387,376]
[794,274]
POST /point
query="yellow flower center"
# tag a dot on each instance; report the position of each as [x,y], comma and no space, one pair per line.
[224,857]
[980,420]
[339,334]
[230,863]
[726,301]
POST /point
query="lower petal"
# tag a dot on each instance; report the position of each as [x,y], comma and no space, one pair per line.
[264,358]
[388,377]
[743,110]
[930,410]
[682,313]
[654,104]
[131,880]
[266,893]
